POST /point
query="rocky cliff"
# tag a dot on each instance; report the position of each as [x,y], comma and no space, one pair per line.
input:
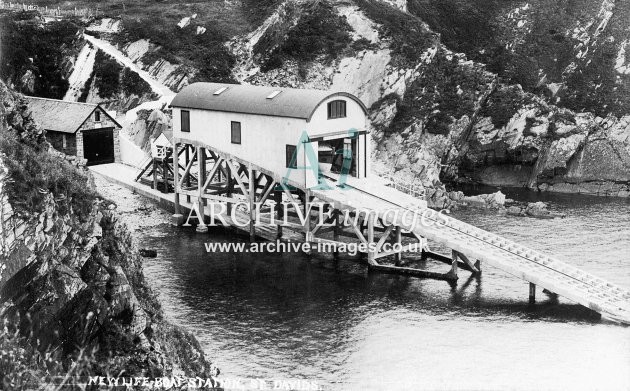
[440,117]
[74,299]
[529,94]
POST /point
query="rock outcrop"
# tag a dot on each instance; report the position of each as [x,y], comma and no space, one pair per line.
[492,115]
[71,283]
[438,117]
[148,125]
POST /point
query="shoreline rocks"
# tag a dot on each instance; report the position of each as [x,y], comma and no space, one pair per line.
[533,209]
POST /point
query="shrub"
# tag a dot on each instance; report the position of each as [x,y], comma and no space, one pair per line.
[132,83]
[444,91]
[28,46]
[320,31]
[503,104]
[106,73]
[34,173]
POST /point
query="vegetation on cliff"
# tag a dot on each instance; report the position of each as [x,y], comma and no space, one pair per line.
[205,52]
[109,79]
[319,32]
[575,43]
[444,92]
[409,36]
[35,173]
[33,53]
[74,299]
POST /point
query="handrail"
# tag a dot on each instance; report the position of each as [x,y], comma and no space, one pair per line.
[413,189]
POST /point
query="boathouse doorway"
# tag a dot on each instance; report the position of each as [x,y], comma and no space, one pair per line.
[98,146]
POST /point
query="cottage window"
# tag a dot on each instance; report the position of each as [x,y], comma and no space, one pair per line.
[236,132]
[97,116]
[337,109]
[185,121]
[291,158]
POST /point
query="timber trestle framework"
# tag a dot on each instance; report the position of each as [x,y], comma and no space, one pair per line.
[207,178]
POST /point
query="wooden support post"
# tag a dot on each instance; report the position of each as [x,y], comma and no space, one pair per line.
[454,264]
[178,218]
[371,256]
[252,204]
[398,255]
[230,187]
[176,176]
[469,265]
[336,230]
[277,197]
[308,236]
[201,178]
[155,178]
[187,149]
[532,293]
[165,175]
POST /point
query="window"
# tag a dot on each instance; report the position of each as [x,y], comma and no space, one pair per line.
[185,121]
[64,142]
[236,132]
[337,109]
[273,94]
[291,163]
[97,116]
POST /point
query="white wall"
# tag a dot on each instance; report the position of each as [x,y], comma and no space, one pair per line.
[130,153]
[264,138]
[320,124]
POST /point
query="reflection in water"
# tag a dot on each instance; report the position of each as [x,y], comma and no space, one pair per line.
[270,315]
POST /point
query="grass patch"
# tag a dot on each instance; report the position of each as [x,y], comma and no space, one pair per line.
[34,173]
[409,36]
[205,52]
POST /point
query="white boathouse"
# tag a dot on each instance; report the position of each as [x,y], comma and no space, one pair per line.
[277,128]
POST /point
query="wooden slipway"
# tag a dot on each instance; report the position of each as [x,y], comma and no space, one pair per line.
[471,246]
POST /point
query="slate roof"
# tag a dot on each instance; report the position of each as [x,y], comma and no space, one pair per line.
[59,115]
[241,98]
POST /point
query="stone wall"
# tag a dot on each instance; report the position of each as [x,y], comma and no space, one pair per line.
[56,140]
[91,123]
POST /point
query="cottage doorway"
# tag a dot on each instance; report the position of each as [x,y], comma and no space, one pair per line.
[98,146]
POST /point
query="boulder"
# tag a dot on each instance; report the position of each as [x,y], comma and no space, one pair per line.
[537,209]
[147,253]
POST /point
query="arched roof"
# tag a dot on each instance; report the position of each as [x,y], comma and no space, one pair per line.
[241,98]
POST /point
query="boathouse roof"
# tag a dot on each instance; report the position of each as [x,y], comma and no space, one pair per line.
[241,98]
[59,115]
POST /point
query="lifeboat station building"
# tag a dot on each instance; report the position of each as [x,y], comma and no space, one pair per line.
[280,130]
[235,147]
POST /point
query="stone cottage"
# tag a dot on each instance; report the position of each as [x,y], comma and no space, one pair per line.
[84,130]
